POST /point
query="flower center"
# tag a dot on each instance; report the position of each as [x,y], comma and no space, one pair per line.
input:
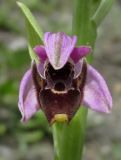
[59,80]
[59,86]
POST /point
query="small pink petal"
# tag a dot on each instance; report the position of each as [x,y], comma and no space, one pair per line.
[27,104]
[96,93]
[58,47]
[80,52]
[41,53]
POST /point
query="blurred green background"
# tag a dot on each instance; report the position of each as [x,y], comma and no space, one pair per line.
[33,141]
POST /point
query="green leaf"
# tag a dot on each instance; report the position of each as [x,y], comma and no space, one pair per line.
[32,26]
[34,33]
[102,10]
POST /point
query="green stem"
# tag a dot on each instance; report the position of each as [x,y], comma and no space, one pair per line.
[69,138]
[81,23]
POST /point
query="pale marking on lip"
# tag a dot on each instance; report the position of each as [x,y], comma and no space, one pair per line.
[59,92]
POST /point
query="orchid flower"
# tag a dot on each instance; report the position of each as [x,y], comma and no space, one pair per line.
[62,81]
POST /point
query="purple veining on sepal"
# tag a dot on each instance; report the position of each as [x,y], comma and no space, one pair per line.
[58,47]
[28,104]
[96,93]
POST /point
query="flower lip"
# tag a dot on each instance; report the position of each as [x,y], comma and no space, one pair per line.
[53,103]
[59,86]
[61,95]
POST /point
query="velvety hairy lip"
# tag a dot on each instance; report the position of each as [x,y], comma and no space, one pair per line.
[60,100]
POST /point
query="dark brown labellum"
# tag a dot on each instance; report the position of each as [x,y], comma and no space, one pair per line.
[59,92]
